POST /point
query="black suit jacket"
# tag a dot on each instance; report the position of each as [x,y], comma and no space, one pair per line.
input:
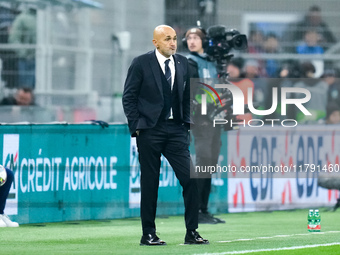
[143,91]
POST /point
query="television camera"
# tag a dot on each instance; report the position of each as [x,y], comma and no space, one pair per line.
[221,42]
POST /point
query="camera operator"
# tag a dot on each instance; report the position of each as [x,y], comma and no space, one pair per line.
[206,137]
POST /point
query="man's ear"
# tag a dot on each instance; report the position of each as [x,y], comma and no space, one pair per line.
[154,41]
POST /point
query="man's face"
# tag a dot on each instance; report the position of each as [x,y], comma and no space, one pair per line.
[329,80]
[166,41]
[334,118]
[271,44]
[23,98]
[257,37]
[311,38]
[195,43]
[251,71]
[314,18]
[233,71]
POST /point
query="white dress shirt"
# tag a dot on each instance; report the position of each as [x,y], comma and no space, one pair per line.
[161,60]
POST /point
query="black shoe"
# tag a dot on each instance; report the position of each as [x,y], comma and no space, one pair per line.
[151,239]
[206,218]
[193,237]
[218,220]
[337,205]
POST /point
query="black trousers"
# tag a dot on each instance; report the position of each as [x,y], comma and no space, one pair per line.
[172,140]
[207,146]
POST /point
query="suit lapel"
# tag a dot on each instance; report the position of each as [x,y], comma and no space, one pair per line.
[155,70]
[179,77]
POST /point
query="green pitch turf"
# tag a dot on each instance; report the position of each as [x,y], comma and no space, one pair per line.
[258,231]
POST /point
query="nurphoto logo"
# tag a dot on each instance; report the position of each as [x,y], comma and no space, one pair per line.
[238,105]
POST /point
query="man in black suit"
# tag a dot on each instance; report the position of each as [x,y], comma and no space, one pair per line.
[156,102]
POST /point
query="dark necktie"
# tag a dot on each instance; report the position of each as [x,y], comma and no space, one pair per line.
[167,72]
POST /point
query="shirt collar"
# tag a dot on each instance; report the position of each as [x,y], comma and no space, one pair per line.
[161,58]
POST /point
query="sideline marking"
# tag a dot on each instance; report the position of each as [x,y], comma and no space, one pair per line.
[277,236]
[274,249]
[270,237]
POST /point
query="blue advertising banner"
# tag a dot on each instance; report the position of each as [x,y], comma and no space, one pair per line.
[81,172]
[66,172]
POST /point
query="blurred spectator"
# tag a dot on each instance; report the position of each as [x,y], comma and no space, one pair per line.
[251,69]
[307,70]
[289,69]
[271,43]
[23,97]
[329,76]
[333,113]
[318,89]
[24,32]
[9,61]
[288,75]
[234,69]
[312,20]
[310,44]
[261,90]
[271,46]
[255,41]
[6,18]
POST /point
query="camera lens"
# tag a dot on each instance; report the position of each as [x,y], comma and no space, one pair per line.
[239,42]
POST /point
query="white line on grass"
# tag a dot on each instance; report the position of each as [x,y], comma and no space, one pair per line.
[274,249]
[277,236]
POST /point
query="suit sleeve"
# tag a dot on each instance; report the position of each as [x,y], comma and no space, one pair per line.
[187,99]
[131,92]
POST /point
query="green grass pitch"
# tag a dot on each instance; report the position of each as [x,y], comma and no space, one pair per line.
[243,233]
